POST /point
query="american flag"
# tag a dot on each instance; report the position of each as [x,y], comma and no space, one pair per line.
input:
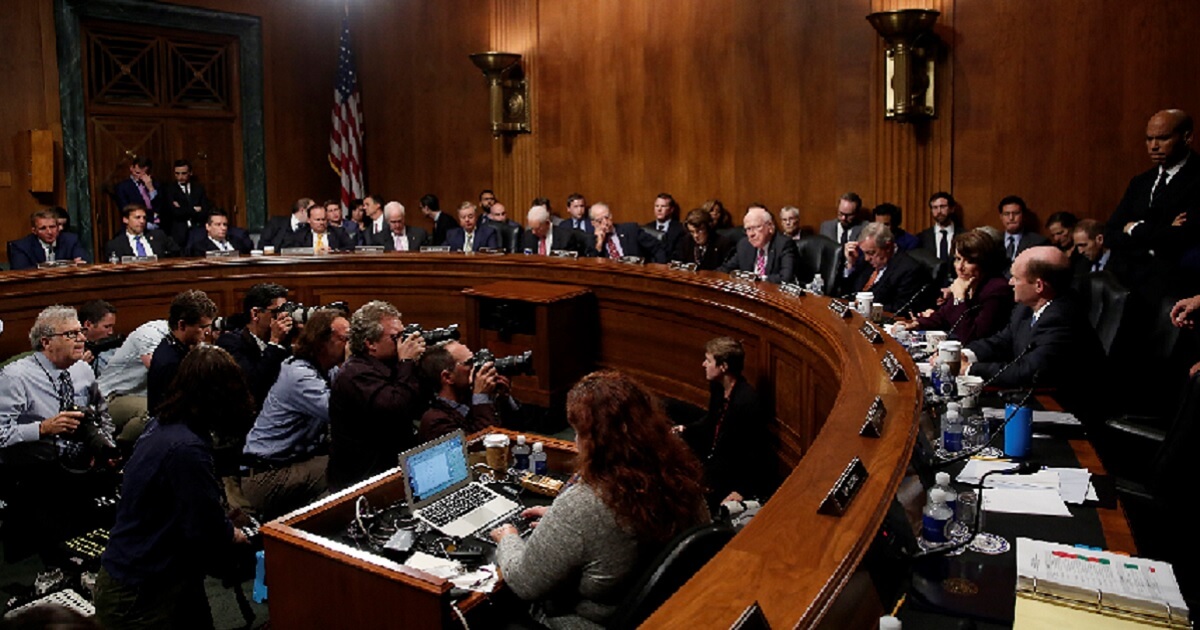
[346,139]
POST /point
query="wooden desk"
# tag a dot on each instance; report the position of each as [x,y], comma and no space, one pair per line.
[815,370]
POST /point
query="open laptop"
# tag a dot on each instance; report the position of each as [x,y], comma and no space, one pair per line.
[439,490]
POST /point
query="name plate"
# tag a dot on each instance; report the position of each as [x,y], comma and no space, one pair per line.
[139,259]
[216,253]
[632,260]
[682,266]
[892,366]
[873,426]
[838,499]
[369,249]
[495,251]
[564,253]
[435,249]
[54,264]
[841,308]
[739,274]
[793,289]
[297,251]
[871,333]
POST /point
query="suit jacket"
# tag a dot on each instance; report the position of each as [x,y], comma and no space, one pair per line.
[442,227]
[634,242]
[415,235]
[564,237]
[829,229]
[901,280]
[716,253]
[163,245]
[734,444]
[337,240]
[127,192]
[199,248]
[441,419]
[1028,239]
[197,241]
[1117,264]
[781,258]
[675,233]
[905,241]
[585,225]
[27,252]
[276,231]
[261,367]
[485,236]
[179,209]
[928,239]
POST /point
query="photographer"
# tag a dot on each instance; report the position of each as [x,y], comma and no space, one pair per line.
[40,429]
[463,393]
[371,404]
[261,346]
[99,321]
[191,316]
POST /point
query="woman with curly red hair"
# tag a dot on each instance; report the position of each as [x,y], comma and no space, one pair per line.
[638,487]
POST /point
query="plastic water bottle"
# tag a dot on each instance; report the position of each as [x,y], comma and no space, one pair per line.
[952,431]
[945,382]
[936,517]
[114,258]
[817,286]
[537,459]
[942,481]
[520,453]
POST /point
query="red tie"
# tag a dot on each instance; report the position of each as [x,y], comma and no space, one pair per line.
[541,247]
[613,252]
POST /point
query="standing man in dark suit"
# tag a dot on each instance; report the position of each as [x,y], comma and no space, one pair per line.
[666,221]
[318,236]
[893,276]
[442,222]
[542,237]
[278,229]
[471,237]
[768,254]
[849,222]
[186,205]
[938,239]
[615,240]
[139,188]
[46,242]
[577,215]
[217,238]
[1158,219]
[400,237]
[136,241]
[373,221]
[1013,214]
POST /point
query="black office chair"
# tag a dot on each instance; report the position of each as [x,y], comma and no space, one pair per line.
[818,255]
[681,559]
[510,236]
[1106,306]
[655,232]
[734,234]
[938,269]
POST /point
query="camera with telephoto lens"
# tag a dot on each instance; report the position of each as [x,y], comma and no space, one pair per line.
[111,342]
[514,365]
[301,313]
[91,431]
[435,336]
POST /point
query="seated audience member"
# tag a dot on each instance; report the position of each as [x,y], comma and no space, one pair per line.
[442,222]
[46,242]
[217,238]
[463,397]
[279,229]
[1048,341]
[123,381]
[99,321]
[171,521]
[893,276]
[789,222]
[598,535]
[358,216]
[1013,217]
[39,429]
[333,212]
[721,218]
[1059,227]
[732,439]
[64,219]
[372,404]
[286,451]
[977,304]
[136,241]
[543,237]
[190,319]
[890,215]
[616,240]
[497,216]
[486,199]
[770,256]
[1094,254]
[938,239]
[139,189]
[318,236]
[702,245]
[261,346]
[545,202]
[666,221]
[399,236]
[471,236]
[848,224]
[577,215]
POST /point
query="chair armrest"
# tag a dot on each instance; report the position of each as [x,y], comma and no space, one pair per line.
[1137,426]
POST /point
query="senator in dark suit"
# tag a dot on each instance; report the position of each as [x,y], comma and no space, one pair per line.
[894,277]
[484,236]
[153,243]
[217,235]
[30,250]
[558,236]
[279,229]
[780,251]
[627,238]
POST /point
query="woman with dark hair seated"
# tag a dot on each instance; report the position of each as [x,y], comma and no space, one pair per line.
[977,304]
[638,488]
[702,245]
[171,519]
[721,219]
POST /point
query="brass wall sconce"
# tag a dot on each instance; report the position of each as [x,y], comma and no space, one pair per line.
[507,89]
[909,66]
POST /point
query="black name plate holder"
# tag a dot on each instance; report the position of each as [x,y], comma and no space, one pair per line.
[873,425]
[872,333]
[837,501]
[841,308]
[892,366]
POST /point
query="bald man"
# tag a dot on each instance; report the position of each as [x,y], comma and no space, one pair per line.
[768,254]
[1158,219]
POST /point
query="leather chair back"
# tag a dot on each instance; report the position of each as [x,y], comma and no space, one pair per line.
[938,270]
[655,232]
[818,255]
[510,236]
[1106,306]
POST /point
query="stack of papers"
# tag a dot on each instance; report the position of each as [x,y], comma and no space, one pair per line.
[1039,417]
[1045,492]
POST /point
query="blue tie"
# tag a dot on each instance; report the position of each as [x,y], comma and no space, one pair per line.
[141,249]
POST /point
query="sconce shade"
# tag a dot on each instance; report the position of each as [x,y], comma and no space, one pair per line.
[902,24]
[493,61]
[909,62]
[508,92]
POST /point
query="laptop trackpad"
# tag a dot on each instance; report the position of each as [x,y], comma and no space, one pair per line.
[470,522]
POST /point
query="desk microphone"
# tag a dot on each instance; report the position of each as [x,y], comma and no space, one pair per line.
[950,333]
[971,452]
[913,299]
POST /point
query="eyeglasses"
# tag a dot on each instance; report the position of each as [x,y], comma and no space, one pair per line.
[467,361]
[78,332]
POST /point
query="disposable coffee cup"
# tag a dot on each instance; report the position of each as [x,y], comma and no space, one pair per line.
[256,252]
[269,250]
[933,338]
[862,303]
[969,387]
[950,353]
[876,312]
[497,452]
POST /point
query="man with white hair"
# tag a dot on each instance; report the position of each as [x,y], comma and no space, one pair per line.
[766,253]
[399,237]
[893,276]
[616,240]
[542,237]
[789,221]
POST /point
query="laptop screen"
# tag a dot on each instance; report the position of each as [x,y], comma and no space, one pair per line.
[436,468]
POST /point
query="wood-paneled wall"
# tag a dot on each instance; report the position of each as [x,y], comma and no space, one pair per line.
[775,101]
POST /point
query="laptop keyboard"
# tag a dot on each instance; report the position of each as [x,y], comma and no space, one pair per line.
[449,508]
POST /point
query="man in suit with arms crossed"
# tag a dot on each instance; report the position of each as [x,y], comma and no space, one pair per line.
[769,255]
[186,203]
[893,276]
[136,241]
[400,237]
[615,240]
[46,241]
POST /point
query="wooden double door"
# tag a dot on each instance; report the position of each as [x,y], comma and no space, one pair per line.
[165,95]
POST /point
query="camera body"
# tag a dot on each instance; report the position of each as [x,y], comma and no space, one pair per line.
[91,431]
[301,313]
[111,342]
[435,336]
[517,364]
